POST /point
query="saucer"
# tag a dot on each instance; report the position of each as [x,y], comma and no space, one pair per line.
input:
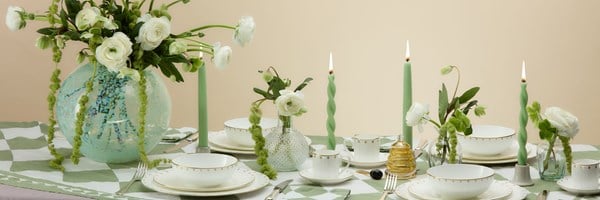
[531,153]
[169,179]
[309,175]
[260,181]
[422,189]
[367,164]
[566,184]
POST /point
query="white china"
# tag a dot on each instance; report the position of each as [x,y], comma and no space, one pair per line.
[567,183]
[170,179]
[487,140]
[460,181]
[382,159]
[327,163]
[515,192]
[221,139]
[585,173]
[237,130]
[260,181]
[308,174]
[422,189]
[203,169]
[531,153]
[366,147]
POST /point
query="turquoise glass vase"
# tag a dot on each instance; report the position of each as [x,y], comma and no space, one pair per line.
[110,128]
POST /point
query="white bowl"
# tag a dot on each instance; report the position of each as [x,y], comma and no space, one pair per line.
[487,140]
[237,130]
[205,169]
[460,181]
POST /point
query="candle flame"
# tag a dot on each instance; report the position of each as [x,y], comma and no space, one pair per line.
[201,55]
[330,63]
[407,50]
[523,75]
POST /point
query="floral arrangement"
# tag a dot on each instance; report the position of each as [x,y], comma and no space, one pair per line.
[289,103]
[452,114]
[126,37]
[557,123]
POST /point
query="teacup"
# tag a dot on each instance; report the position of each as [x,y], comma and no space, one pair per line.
[366,147]
[584,174]
[237,130]
[328,163]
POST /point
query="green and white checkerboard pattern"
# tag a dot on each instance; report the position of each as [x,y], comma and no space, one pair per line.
[24,163]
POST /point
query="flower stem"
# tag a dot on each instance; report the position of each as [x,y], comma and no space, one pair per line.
[549,152]
[212,26]
[173,3]
[457,82]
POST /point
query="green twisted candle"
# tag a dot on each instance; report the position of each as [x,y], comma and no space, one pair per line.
[522,154]
[331,109]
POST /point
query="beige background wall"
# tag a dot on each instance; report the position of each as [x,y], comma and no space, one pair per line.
[560,41]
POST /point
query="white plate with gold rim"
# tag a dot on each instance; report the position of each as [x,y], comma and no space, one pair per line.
[218,146]
[422,189]
[342,177]
[566,184]
[260,181]
[170,179]
[531,153]
[381,160]
[517,192]
[220,138]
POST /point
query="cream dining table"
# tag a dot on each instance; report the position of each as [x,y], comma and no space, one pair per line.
[25,174]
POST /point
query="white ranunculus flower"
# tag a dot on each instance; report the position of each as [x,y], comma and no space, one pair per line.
[290,103]
[565,122]
[153,32]
[14,21]
[87,17]
[177,47]
[222,54]
[144,18]
[244,32]
[417,115]
[114,52]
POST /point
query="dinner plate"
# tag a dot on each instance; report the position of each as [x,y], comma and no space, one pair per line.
[510,153]
[381,160]
[170,179]
[219,147]
[517,192]
[260,181]
[565,184]
[343,176]
[220,138]
[422,189]
[531,153]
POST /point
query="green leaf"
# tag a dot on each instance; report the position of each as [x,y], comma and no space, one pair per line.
[443,99]
[304,84]
[50,31]
[151,58]
[262,92]
[73,35]
[534,112]
[469,106]
[546,129]
[64,18]
[73,7]
[276,85]
[168,69]
[468,95]
[175,59]
[468,131]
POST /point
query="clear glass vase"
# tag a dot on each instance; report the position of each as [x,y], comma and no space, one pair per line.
[111,124]
[444,151]
[287,147]
[551,161]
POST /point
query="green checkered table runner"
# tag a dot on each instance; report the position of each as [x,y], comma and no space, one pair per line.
[24,163]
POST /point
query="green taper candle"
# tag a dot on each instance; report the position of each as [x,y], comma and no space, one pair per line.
[407,97]
[331,107]
[522,154]
[202,109]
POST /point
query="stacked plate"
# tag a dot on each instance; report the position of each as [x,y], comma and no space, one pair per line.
[507,156]
[170,182]
[220,142]
[421,189]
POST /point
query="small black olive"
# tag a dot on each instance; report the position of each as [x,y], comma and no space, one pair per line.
[376,174]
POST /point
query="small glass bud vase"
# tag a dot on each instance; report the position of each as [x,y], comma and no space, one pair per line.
[287,147]
[401,160]
[551,161]
[444,150]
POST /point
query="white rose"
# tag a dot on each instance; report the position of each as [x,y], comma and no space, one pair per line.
[14,21]
[114,52]
[565,122]
[177,48]
[290,103]
[417,115]
[153,32]
[87,17]
[244,31]
[222,54]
